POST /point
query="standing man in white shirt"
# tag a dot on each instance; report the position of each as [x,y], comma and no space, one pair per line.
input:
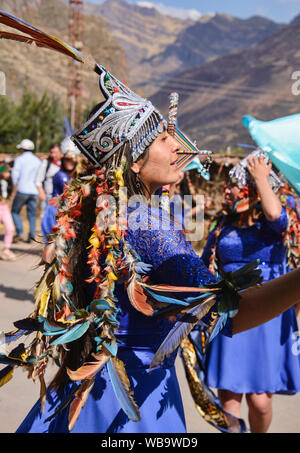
[44,181]
[24,174]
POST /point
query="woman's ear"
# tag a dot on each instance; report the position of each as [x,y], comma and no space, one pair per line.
[135,167]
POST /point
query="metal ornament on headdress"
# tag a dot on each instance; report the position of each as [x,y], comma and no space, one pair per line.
[172,121]
[189,150]
[240,175]
[172,118]
[123,117]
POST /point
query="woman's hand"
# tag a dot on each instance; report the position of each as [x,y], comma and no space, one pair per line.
[257,168]
[270,203]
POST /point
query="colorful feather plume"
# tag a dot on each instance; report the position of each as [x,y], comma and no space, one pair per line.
[38,37]
[291,237]
[122,388]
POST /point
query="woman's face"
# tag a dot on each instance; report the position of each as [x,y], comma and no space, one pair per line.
[69,164]
[231,194]
[159,168]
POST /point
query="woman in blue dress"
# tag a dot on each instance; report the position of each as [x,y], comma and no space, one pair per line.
[115,280]
[259,362]
[62,177]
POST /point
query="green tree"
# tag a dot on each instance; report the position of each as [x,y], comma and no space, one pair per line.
[10,124]
[39,119]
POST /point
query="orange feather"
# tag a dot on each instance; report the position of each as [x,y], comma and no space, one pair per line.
[79,401]
[140,300]
[89,369]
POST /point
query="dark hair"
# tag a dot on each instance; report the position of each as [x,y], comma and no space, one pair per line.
[54,145]
[79,350]
[63,168]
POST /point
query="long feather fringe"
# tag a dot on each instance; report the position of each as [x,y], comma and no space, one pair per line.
[181,329]
[122,389]
[79,401]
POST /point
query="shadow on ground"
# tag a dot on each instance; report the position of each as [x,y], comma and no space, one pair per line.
[15,293]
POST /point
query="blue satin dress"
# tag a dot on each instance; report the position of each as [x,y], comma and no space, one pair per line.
[262,359]
[156,393]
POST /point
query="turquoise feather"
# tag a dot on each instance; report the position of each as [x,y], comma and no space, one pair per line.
[170,310]
[165,299]
[111,347]
[72,334]
[99,304]
[48,329]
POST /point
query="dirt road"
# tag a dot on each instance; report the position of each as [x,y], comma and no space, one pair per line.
[17,281]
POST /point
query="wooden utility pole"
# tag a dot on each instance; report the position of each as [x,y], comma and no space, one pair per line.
[75,81]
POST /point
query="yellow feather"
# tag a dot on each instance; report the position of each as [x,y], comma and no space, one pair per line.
[42,292]
[43,282]
[56,290]
[43,306]
[6,378]
[120,367]
[122,388]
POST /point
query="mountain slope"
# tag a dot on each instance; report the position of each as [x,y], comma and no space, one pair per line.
[205,40]
[141,32]
[158,46]
[215,95]
[41,70]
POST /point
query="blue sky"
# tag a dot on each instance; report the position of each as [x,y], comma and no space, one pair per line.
[278,10]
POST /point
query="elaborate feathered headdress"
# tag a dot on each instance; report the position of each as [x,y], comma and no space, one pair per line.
[123,117]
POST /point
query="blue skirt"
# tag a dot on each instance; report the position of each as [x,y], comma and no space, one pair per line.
[157,395]
[263,359]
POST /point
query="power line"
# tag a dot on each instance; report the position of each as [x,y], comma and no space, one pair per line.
[196,82]
[223,93]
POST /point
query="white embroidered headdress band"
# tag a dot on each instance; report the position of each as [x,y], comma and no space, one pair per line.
[124,116]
